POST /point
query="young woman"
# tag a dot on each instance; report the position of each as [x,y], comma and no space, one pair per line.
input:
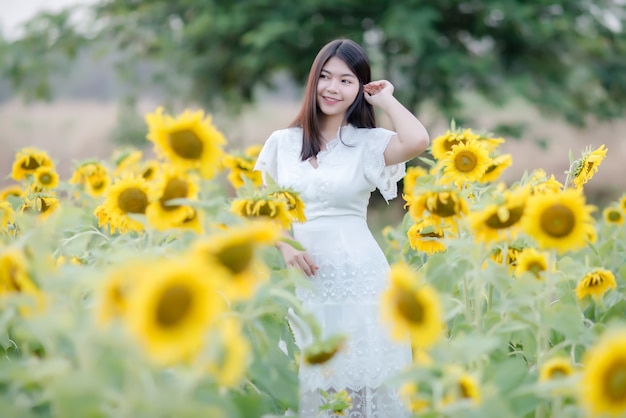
[335,157]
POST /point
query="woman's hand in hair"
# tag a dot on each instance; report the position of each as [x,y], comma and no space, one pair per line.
[297,258]
[378,92]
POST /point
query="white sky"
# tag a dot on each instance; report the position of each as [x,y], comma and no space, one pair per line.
[15,12]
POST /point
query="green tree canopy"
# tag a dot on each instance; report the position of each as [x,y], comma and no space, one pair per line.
[565,57]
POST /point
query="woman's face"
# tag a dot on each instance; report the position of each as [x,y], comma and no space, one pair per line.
[337,88]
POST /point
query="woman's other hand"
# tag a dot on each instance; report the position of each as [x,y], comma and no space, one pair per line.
[297,258]
[378,91]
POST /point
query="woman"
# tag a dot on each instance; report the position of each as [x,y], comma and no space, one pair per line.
[335,157]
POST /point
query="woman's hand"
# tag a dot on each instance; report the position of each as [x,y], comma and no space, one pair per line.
[377,92]
[297,258]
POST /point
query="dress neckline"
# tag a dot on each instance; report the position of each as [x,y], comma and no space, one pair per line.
[344,132]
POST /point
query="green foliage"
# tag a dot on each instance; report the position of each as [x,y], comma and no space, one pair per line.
[563,57]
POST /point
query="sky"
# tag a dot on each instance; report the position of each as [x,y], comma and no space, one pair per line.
[15,12]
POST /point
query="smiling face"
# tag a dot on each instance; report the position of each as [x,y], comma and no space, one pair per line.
[337,88]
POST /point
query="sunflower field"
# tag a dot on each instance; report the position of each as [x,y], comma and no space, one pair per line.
[151,287]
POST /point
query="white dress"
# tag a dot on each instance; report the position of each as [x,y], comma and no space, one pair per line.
[346,291]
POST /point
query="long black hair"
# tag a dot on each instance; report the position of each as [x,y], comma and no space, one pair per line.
[360,113]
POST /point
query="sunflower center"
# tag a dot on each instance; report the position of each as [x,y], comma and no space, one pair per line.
[430,235]
[558,373]
[615,383]
[97,185]
[132,200]
[614,216]
[30,164]
[465,161]
[558,221]
[45,178]
[175,189]
[236,258]
[465,390]
[515,214]
[186,144]
[147,173]
[267,210]
[447,145]
[44,206]
[445,209]
[409,306]
[174,305]
[535,267]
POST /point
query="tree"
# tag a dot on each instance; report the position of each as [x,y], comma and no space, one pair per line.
[565,57]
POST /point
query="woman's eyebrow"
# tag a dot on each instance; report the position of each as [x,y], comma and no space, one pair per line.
[342,75]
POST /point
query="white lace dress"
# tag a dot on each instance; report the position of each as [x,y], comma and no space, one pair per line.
[353,273]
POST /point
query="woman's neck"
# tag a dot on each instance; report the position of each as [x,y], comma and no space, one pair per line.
[330,127]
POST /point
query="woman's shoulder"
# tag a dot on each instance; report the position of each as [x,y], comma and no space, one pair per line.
[286,134]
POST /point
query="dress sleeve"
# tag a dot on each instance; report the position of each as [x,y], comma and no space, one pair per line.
[266,161]
[384,177]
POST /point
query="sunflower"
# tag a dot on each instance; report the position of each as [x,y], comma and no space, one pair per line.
[532,261]
[233,352]
[235,249]
[466,387]
[444,143]
[46,177]
[412,307]
[27,161]
[127,161]
[545,185]
[622,203]
[497,255]
[613,215]
[465,162]
[500,220]
[14,190]
[587,166]
[16,279]
[7,216]
[189,141]
[496,166]
[129,195]
[242,165]
[595,284]
[149,169]
[558,220]
[41,205]
[172,184]
[115,288]
[556,368]
[410,179]
[294,203]
[323,351]
[444,205]
[410,395]
[93,176]
[263,207]
[427,237]
[170,310]
[603,383]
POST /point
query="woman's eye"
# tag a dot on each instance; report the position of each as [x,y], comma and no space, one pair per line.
[323,76]
[346,81]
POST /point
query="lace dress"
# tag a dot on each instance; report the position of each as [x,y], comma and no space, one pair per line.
[345,292]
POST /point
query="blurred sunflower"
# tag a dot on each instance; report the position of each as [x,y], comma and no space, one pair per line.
[613,215]
[242,164]
[113,292]
[27,160]
[7,216]
[512,253]
[558,220]
[231,353]
[444,205]
[622,203]
[194,221]
[542,184]
[171,310]
[603,383]
[41,205]
[410,395]
[149,169]
[461,386]
[496,166]
[500,220]
[556,368]
[465,162]
[427,237]
[14,190]
[322,351]
[127,161]
[15,278]
[171,184]
[532,261]
[46,177]
[263,207]
[294,204]
[189,141]
[93,176]
[410,179]
[595,284]
[235,249]
[412,308]
[129,195]
[587,166]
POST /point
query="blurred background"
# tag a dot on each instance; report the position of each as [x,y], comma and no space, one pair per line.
[77,77]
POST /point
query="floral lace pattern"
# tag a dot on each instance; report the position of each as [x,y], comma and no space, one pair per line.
[366,403]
